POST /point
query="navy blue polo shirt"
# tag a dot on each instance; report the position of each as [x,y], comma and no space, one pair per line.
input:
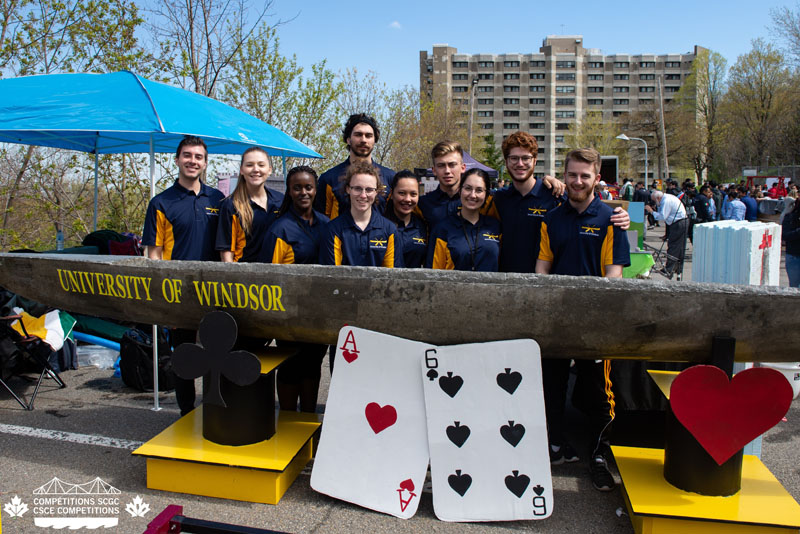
[413,240]
[347,244]
[437,205]
[456,243]
[582,244]
[331,197]
[292,239]
[231,236]
[521,217]
[182,223]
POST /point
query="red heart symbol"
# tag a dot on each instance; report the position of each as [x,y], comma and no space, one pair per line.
[723,415]
[349,357]
[407,485]
[382,417]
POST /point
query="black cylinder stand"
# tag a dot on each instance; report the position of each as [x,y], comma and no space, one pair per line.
[249,416]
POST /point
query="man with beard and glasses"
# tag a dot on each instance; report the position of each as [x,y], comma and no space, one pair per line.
[360,134]
[579,239]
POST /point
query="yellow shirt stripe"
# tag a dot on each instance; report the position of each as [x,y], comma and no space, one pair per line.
[164,236]
[545,254]
[441,256]
[607,250]
[283,254]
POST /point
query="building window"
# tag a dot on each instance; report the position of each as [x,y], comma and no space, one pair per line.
[537,63]
[671,89]
[536,88]
[460,64]
[559,163]
[511,63]
[487,126]
[486,63]
[536,101]
[539,138]
[595,64]
[537,75]
[595,101]
[595,77]
[565,114]
[486,76]
[643,101]
[511,76]
[565,101]
[488,113]
[459,89]
[559,139]
[672,77]
[562,126]
[621,76]
[565,89]
[647,76]
[511,88]
[510,113]
[460,76]
[540,150]
[536,113]
[622,89]
[595,89]
[511,125]
[540,163]
[672,64]
[565,76]
[565,64]
[621,64]
[647,64]
[620,101]
[647,89]
[511,101]
[619,113]
[486,101]
[485,89]
[429,67]
[460,101]
[536,126]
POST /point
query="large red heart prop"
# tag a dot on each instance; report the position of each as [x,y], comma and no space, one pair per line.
[723,415]
[381,417]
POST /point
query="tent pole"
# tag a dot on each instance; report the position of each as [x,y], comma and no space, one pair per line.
[95,191]
[156,407]
[284,167]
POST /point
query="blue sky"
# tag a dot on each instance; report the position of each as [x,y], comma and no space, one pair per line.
[386,37]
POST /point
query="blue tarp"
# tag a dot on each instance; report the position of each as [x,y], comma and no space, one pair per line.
[120,113]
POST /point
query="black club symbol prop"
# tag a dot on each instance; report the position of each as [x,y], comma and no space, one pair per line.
[213,356]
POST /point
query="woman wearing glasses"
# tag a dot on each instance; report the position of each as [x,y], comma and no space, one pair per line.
[467,240]
[361,235]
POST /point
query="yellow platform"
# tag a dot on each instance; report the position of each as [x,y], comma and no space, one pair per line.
[657,507]
[180,460]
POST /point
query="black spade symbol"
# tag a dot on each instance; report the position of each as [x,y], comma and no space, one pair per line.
[512,433]
[458,434]
[517,484]
[451,384]
[432,374]
[538,490]
[509,381]
[460,483]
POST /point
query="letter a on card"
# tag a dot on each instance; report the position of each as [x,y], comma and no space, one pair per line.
[373,450]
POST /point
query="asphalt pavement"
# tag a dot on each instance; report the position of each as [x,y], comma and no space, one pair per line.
[88,429]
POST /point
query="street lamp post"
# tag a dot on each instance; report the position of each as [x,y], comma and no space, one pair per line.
[626,138]
[471,107]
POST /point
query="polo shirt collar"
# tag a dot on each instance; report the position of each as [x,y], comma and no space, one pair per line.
[204,189]
[351,222]
[592,209]
[441,194]
[296,215]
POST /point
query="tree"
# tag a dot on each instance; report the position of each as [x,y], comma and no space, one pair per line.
[699,99]
[759,100]
[786,27]
[491,155]
[592,131]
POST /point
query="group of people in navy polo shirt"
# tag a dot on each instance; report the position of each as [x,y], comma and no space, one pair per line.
[361,213]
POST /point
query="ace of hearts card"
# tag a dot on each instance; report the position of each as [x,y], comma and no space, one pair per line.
[373,449]
[487,431]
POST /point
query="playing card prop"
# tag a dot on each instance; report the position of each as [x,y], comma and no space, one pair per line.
[711,419]
[486,432]
[373,450]
[485,415]
[238,402]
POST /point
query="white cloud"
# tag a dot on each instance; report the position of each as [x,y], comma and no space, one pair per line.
[395,25]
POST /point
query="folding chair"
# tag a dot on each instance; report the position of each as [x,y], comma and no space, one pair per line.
[18,350]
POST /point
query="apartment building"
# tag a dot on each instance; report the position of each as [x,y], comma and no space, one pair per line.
[544,93]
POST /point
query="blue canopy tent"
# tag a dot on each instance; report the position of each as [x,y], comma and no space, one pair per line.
[125,113]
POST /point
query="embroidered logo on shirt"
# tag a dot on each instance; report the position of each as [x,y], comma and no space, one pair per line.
[492,237]
[590,230]
[212,211]
[378,243]
[419,240]
[536,212]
